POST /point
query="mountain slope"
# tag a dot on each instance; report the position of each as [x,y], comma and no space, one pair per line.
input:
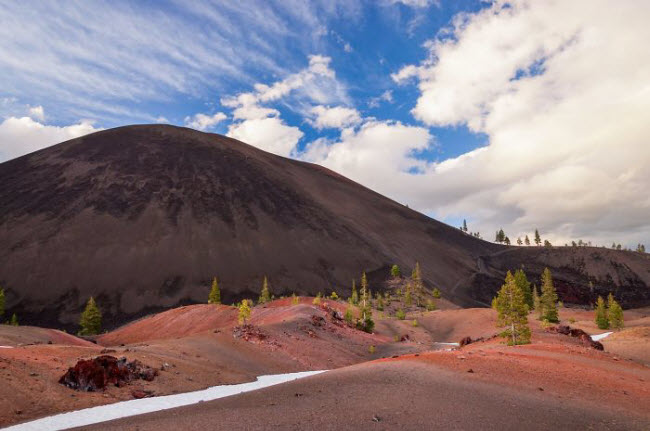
[143,217]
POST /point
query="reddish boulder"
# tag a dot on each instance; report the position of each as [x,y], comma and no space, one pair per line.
[98,373]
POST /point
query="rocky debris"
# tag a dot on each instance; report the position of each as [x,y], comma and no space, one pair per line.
[318,321]
[465,341]
[584,338]
[140,393]
[254,334]
[249,333]
[405,337]
[96,374]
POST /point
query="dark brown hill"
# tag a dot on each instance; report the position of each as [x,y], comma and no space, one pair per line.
[143,217]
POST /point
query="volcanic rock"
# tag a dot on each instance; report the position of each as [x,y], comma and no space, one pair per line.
[98,373]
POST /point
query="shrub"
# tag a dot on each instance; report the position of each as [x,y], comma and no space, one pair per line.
[294,299]
[317,300]
[371,349]
[401,315]
[414,323]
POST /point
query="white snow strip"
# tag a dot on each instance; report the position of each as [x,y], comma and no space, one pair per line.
[447,344]
[125,409]
[600,336]
[6,347]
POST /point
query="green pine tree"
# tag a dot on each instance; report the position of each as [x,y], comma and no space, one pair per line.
[548,300]
[244,311]
[395,272]
[430,305]
[513,312]
[215,293]
[379,302]
[527,240]
[294,299]
[601,314]
[537,301]
[355,294]
[417,283]
[538,239]
[91,319]
[349,315]
[365,322]
[436,293]
[2,302]
[14,320]
[265,293]
[614,313]
[524,285]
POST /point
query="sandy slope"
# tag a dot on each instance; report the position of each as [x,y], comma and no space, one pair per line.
[397,394]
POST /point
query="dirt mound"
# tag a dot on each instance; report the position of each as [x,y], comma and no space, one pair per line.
[96,374]
[29,335]
[175,323]
[142,217]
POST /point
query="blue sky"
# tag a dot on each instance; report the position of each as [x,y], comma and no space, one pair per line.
[502,113]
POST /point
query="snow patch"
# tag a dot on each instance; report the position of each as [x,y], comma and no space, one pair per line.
[125,409]
[600,336]
[6,347]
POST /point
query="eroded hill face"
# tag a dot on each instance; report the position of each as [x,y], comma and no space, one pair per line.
[142,217]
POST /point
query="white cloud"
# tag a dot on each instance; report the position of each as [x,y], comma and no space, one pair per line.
[37,113]
[337,117]
[260,125]
[19,136]
[383,147]
[561,89]
[68,57]
[386,96]
[415,3]
[204,122]
[270,134]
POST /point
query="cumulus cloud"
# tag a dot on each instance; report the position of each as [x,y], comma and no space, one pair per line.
[270,134]
[37,113]
[261,125]
[561,90]
[19,136]
[204,121]
[337,117]
[415,3]
[385,147]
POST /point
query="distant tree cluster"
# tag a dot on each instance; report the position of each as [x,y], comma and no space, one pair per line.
[463,228]
[515,300]
[610,315]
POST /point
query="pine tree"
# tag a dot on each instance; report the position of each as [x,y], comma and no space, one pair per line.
[519,242]
[436,293]
[91,319]
[526,240]
[265,293]
[215,293]
[294,299]
[349,316]
[244,311]
[614,313]
[507,241]
[538,239]
[317,299]
[537,301]
[464,226]
[365,323]
[355,296]
[408,298]
[548,301]
[524,285]
[14,320]
[513,312]
[380,302]
[547,243]
[601,314]
[417,283]
[395,272]
[2,302]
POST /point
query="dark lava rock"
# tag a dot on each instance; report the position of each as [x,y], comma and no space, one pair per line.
[98,373]
[577,333]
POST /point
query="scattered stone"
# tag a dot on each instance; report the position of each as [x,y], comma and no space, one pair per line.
[297,394]
[540,389]
[376,418]
[139,393]
[96,374]
[106,351]
[18,412]
[470,371]
[33,374]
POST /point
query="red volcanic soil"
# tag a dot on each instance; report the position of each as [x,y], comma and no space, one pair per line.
[174,323]
[509,389]
[28,335]
[195,347]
